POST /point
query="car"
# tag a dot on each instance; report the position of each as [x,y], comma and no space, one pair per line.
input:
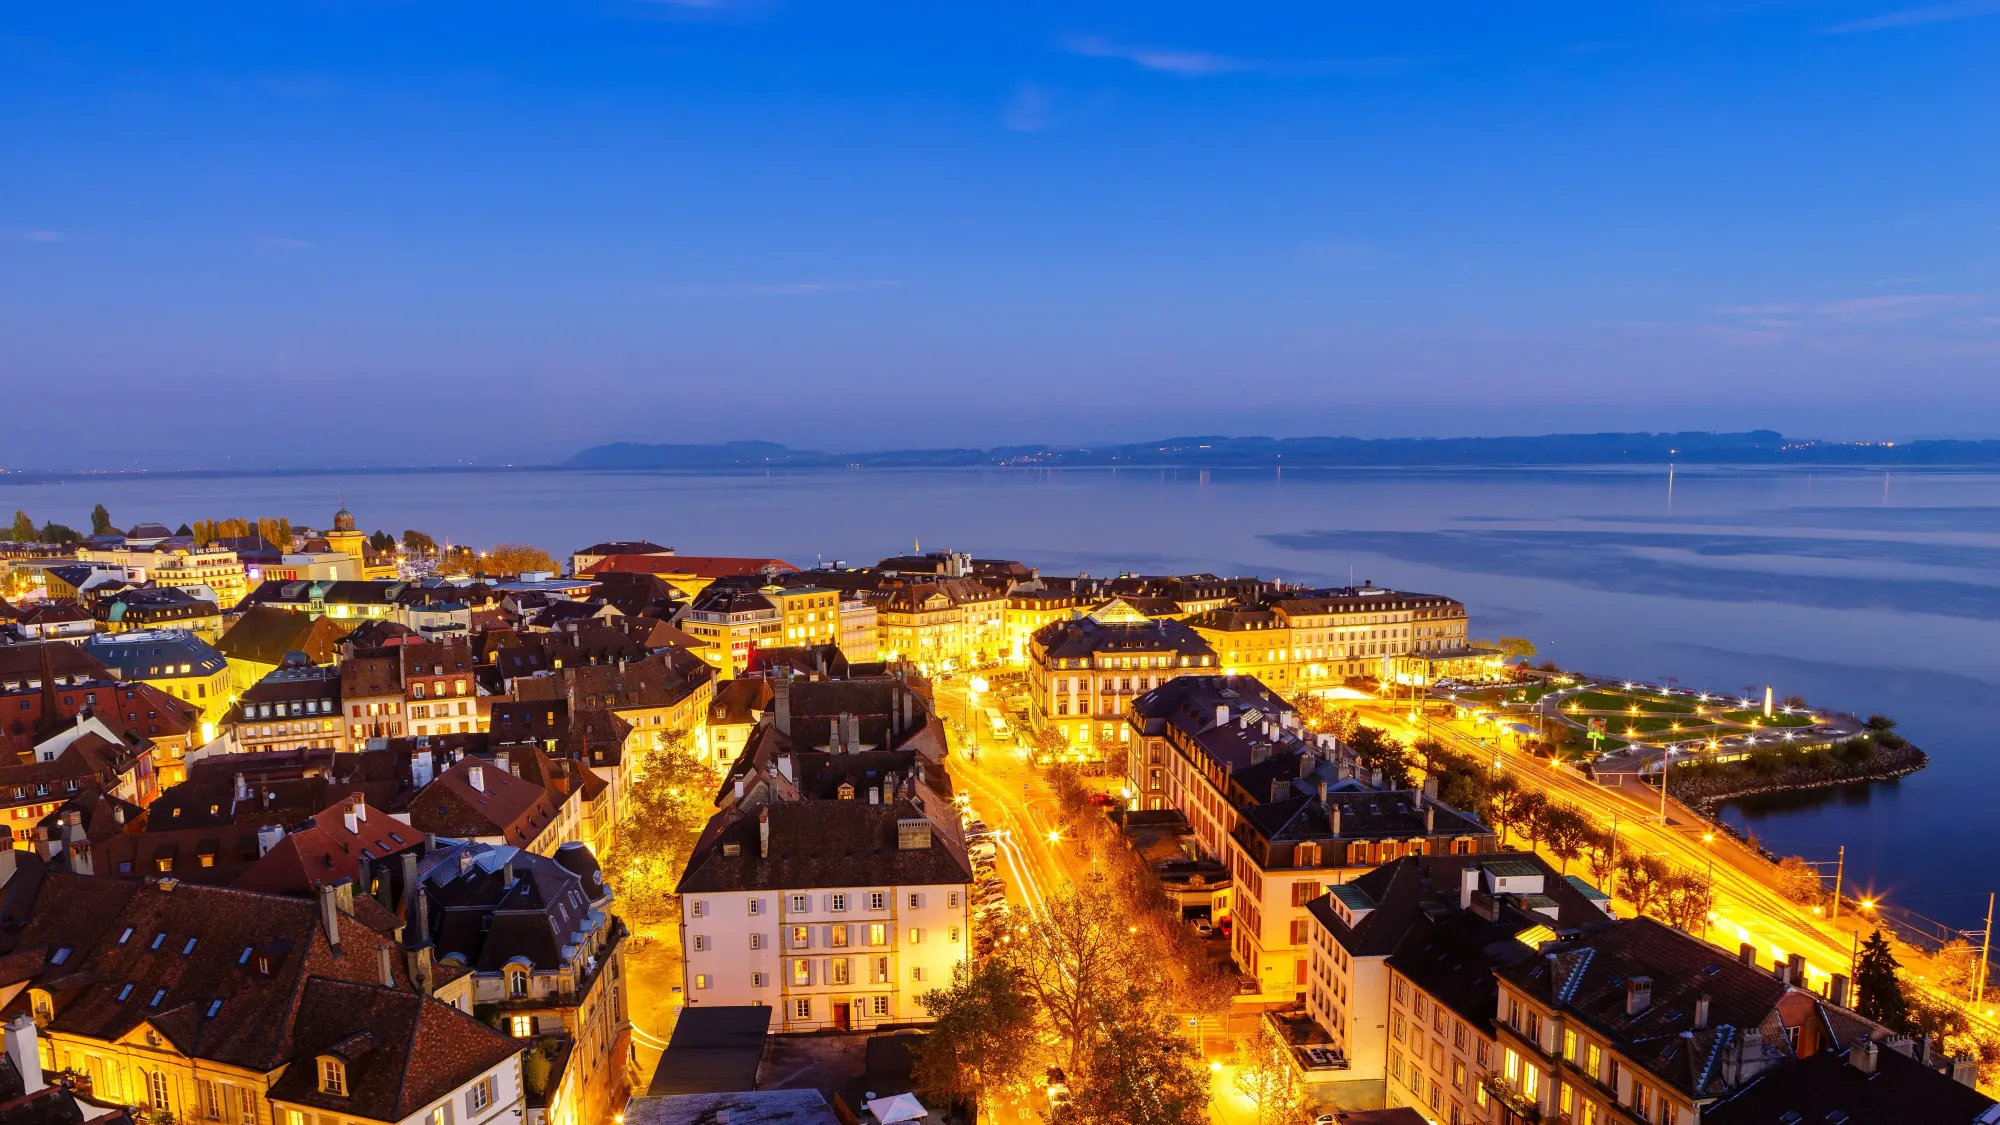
[1203,927]
[1100,799]
[1324,1119]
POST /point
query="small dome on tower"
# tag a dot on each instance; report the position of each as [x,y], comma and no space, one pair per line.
[343,520]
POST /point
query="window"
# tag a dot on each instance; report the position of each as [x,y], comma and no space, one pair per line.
[161,937]
[332,1077]
[802,1009]
[480,1096]
[801,903]
[158,995]
[158,1092]
[189,947]
[756,906]
[699,908]
[517,981]
[916,972]
[916,935]
[878,900]
[954,936]
[839,936]
[801,937]
[1511,1068]
[951,900]
[125,992]
[801,971]
[1531,1081]
[1642,1102]
[760,980]
[1303,893]
[878,933]
[1458,1074]
[701,980]
[916,901]
[838,967]
[1596,1063]
[836,903]
[879,971]
[879,1005]
[756,941]
[701,943]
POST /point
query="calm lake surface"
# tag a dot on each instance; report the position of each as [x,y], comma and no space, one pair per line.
[1860,592]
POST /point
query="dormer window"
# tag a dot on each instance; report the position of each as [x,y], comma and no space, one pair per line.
[158,939]
[332,1076]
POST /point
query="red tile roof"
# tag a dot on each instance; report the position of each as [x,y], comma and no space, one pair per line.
[502,805]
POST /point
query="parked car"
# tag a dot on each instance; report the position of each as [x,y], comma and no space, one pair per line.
[1101,799]
[1203,927]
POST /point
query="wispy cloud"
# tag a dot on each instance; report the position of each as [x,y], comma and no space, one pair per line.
[35,235]
[273,242]
[765,289]
[1028,110]
[1879,309]
[1917,17]
[1167,60]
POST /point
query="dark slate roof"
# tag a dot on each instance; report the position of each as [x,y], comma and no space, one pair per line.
[1900,1091]
[155,653]
[625,547]
[491,905]
[713,1050]
[403,1051]
[820,844]
[1588,975]
[1082,638]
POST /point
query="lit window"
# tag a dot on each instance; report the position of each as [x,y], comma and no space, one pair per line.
[522,1026]
[332,1077]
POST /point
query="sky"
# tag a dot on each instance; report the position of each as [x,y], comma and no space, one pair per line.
[334,233]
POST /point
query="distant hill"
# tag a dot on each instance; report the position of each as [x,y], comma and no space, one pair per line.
[1756,447]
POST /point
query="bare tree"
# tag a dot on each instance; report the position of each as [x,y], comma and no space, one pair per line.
[1076,962]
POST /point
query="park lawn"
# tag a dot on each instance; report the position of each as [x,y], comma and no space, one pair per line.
[1777,719]
[1619,702]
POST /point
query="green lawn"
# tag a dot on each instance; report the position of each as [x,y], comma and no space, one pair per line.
[1619,701]
[1777,719]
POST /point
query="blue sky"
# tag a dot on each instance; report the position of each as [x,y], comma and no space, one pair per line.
[317,233]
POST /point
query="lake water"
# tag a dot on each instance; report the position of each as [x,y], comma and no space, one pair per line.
[1860,592]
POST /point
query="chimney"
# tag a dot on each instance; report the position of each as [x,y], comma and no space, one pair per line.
[477,776]
[782,694]
[1319,788]
[913,834]
[1746,953]
[1638,995]
[1222,714]
[1864,1056]
[1701,1011]
[329,916]
[24,1051]
[241,791]
[1795,970]
[388,966]
[853,722]
[1468,882]
[1375,779]
[785,765]
[1333,817]
[503,762]
[764,830]
[1431,788]
[1280,788]
[1965,1070]
[909,709]
[268,836]
[740,783]
[409,861]
[349,821]
[1430,819]
[874,794]
[1836,990]
[421,769]
[507,873]
[1306,764]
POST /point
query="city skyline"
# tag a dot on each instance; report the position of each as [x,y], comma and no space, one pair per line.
[701,222]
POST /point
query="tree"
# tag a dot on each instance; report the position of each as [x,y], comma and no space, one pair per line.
[1642,879]
[1515,648]
[1799,881]
[1567,833]
[1270,1084]
[1529,810]
[1077,964]
[1686,899]
[53,532]
[512,559]
[100,522]
[23,530]
[277,531]
[457,560]
[381,542]
[1138,1072]
[665,810]
[1374,750]
[984,1038]
[1603,857]
[417,543]
[1878,993]
[1880,723]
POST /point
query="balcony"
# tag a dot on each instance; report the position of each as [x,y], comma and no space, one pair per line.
[1517,1103]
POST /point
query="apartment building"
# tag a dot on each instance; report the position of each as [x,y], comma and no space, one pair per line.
[1085,671]
[1315,638]
[838,914]
[1401,972]
[296,707]
[1287,814]
[175,661]
[732,622]
[1641,1024]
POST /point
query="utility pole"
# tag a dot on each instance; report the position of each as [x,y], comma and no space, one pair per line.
[1666,761]
[1985,947]
[1840,869]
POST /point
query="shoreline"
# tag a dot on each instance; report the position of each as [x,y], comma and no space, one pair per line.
[1705,795]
